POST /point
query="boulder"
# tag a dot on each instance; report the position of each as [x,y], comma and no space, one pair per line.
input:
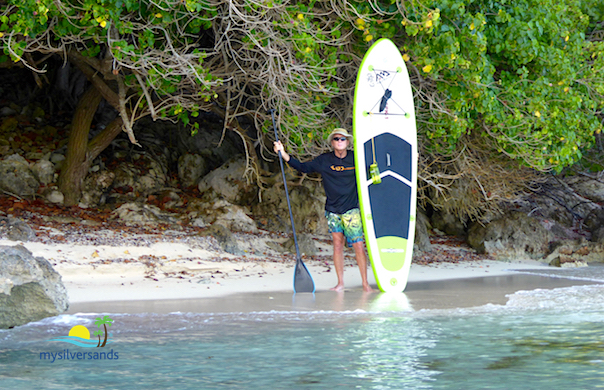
[228,181]
[30,289]
[306,245]
[448,223]
[133,214]
[190,169]
[16,177]
[225,238]
[590,188]
[513,236]
[44,171]
[422,238]
[15,230]
[95,185]
[595,220]
[307,203]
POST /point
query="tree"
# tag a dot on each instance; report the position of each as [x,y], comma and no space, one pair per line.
[98,333]
[104,321]
[143,58]
[502,88]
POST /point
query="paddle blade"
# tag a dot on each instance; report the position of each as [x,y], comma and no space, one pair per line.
[302,280]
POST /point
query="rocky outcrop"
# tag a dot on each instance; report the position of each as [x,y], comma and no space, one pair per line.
[422,237]
[513,236]
[30,289]
[142,214]
[15,229]
[16,177]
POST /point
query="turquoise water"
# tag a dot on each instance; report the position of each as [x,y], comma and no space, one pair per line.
[542,339]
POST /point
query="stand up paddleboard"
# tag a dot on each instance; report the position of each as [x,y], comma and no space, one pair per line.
[385,151]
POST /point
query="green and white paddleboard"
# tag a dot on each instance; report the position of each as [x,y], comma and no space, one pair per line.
[385,140]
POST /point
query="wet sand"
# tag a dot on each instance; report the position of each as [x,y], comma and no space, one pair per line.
[435,294]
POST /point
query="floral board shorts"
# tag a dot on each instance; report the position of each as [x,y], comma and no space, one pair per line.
[348,223]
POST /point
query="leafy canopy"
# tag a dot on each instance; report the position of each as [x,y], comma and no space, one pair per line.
[524,77]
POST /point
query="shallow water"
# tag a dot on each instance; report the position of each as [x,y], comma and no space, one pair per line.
[539,339]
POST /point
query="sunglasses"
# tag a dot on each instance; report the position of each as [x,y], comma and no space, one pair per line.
[339,138]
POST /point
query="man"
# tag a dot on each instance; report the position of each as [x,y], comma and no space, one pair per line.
[342,204]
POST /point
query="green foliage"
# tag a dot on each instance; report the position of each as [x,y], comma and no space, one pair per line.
[526,75]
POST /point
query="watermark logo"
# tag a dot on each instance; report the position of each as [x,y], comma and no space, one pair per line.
[80,335]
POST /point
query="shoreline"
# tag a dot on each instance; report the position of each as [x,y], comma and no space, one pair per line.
[428,295]
[178,273]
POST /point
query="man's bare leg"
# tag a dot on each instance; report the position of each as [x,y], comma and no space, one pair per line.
[359,250]
[338,259]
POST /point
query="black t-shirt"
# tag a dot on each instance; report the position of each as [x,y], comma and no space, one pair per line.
[339,180]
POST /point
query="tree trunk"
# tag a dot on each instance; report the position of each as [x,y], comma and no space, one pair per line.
[105,341]
[76,162]
[81,152]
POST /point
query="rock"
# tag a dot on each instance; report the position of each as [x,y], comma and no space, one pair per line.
[53,195]
[234,218]
[190,169]
[448,223]
[16,177]
[575,253]
[566,262]
[95,186]
[145,177]
[142,214]
[589,188]
[306,245]
[30,289]
[422,238]
[595,219]
[598,236]
[307,203]
[513,236]
[226,239]
[228,181]
[44,171]
[15,230]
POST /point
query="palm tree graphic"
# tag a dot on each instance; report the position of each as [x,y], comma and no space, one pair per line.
[102,321]
[98,333]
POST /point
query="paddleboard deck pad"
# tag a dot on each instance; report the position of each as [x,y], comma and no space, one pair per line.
[385,149]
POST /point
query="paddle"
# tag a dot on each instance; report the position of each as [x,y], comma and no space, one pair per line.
[302,280]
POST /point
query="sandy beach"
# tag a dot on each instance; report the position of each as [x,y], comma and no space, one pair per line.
[160,270]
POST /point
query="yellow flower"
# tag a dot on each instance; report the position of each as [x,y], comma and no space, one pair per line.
[406,57]
[428,24]
[308,50]
[1,34]
[561,138]
[360,22]
[158,15]
[566,38]
[300,17]
[427,68]
[369,37]
[103,24]
[472,27]
[537,114]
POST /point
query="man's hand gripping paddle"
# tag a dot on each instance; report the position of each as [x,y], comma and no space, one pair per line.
[302,280]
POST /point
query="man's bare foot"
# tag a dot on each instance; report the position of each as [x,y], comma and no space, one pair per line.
[368,288]
[339,287]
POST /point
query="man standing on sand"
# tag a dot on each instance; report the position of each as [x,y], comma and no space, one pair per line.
[342,204]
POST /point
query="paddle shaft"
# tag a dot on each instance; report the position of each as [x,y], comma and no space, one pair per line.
[289,207]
